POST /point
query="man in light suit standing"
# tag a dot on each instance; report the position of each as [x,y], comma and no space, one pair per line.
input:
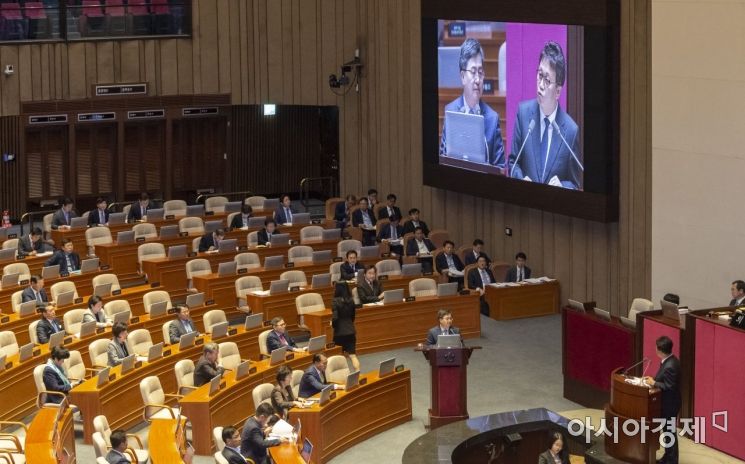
[546,157]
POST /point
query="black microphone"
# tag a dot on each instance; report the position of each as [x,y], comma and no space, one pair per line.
[558,131]
[520,151]
[645,359]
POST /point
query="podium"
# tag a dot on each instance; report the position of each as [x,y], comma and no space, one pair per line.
[449,368]
[634,402]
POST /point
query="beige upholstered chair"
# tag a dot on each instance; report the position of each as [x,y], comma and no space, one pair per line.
[101,425]
[262,394]
[97,236]
[639,305]
[217,438]
[308,303]
[149,251]
[15,301]
[262,343]
[75,367]
[195,243]
[335,271]
[346,245]
[255,201]
[140,341]
[388,267]
[32,333]
[72,320]
[337,369]
[247,261]
[145,229]
[41,392]
[47,225]
[311,234]
[195,267]
[11,244]
[297,376]
[499,269]
[245,285]
[300,254]
[191,225]
[97,352]
[253,238]
[155,296]
[356,296]
[9,344]
[165,330]
[154,399]
[63,287]
[184,371]
[174,207]
[295,277]
[17,268]
[114,307]
[423,287]
[230,357]
[215,204]
[213,317]
[103,279]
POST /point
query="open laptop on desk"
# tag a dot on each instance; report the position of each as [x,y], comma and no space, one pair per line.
[602,314]
[331,234]
[8,255]
[386,367]
[117,218]
[158,309]
[125,236]
[211,226]
[10,280]
[300,219]
[226,269]
[176,251]
[270,204]
[50,272]
[317,344]
[307,452]
[413,269]
[219,330]
[89,265]
[155,352]
[102,290]
[156,214]
[128,363]
[368,252]
[320,280]
[66,298]
[254,320]
[321,257]
[448,289]
[187,340]
[353,380]
[233,206]
[194,300]
[228,245]
[78,223]
[279,286]
[242,370]
[464,134]
[280,239]
[169,231]
[256,222]
[87,329]
[26,309]
[393,296]
[195,210]
[274,262]
[278,356]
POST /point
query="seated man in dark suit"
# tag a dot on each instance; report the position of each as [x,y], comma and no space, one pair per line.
[667,379]
[341,212]
[449,263]
[519,271]
[738,293]
[118,447]
[369,288]
[207,368]
[241,220]
[100,215]
[48,325]
[264,236]
[32,244]
[351,266]
[254,441]
[284,213]
[211,241]
[139,208]
[232,451]
[182,325]
[478,279]
[55,377]
[68,260]
[372,198]
[364,218]
[414,222]
[63,217]
[279,337]
[314,377]
[422,248]
[445,327]
[390,208]
[476,251]
[35,291]
[393,233]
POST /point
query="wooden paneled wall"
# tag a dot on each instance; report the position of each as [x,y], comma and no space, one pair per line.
[282,51]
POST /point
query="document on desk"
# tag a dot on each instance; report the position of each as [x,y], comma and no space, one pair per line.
[261,292]
[545,279]
[455,272]
[282,429]
[377,303]
[46,253]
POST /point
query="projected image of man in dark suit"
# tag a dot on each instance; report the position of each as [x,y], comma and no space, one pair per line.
[546,157]
[471,64]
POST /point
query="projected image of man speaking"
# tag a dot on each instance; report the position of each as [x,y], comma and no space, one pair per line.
[471,64]
[545,142]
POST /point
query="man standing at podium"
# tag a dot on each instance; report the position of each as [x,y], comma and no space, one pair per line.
[668,380]
[445,327]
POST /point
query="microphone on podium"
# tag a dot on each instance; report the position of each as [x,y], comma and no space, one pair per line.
[531,126]
[644,360]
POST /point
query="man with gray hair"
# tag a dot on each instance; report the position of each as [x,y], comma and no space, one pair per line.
[471,65]
[207,367]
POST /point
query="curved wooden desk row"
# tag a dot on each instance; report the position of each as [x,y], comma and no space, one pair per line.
[51,438]
[402,324]
[82,284]
[233,404]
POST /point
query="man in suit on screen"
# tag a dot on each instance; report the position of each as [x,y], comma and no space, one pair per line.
[546,157]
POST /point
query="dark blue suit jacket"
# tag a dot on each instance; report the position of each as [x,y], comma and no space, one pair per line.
[28,295]
[94,219]
[136,213]
[492,132]
[311,383]
[59,258]
[340,212]
[280,217]
[53,382]
[357,217]
[412,248]
[560,162]
[273,342]
[441,263]
[207,241]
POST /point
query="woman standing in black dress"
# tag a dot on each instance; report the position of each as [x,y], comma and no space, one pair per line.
[342,320]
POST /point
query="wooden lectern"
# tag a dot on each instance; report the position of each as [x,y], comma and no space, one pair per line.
[628,401]
[449,367]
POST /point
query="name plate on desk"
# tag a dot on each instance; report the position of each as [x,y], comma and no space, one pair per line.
[288,265]
[8,365]
[183,234]
[21,257]
[36,352]
[252,370]
[138,364]
[383,277]
[428,273]
[140,239]
[64,274]
[385,255]
[363,381]
[23,282]
[67,340]
[4,319]
[12,235]
[337,259]
[134,320]
[78,300]
[243,270]
[171,216]
[232,331]
[116,292]
[199,342]
[167,353]
[410,298]
[155,285]
[191,254]
[448,357]
[242,247]
[209,302]
[100,330]
[464,292]
[290,356]
[106,267]
[330,345]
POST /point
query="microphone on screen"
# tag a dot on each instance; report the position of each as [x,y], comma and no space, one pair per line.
[558,131]
[520,151]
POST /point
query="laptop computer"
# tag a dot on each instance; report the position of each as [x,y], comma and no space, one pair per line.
[256,222]
[307,452]
[195,210]
[320,280]
[278,356]
[117,218]
[78,222]
[211,226]
[317,344]
[270,204]
[325,395]
[321,257]
[273,262]
[194,300]
[229,245]
[367,252]
[279,286]
[87,329]
[50,272]
[576,305]
[386,367]
[187,340]
[233,206]
[464,135]
[176,251]
[26,309]
[602,314]
[56,339]
[103,377]
[158,309]
[128,363]
[414,269]
[8,255]
[155,352]
[125,236]
[10,280]
[102,290]
[155,214]
[448,289]
[331,234]
[219,330]
[89,265]
[226,269]
[449,341]
[215,384]
[26,352]
[242,370]
[628,323]
[669,310]
[353,380]
[393,296]
[169,231]
[66,298]
[254,320]
[300,219]
[122,316]
[280,239]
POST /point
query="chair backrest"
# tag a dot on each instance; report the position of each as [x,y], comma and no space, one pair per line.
[72,320]
[198,266]
[499,269]
[126,210]
[309,302]
[380,224]
[103,279]
[247,284]
[97,236]
[175,207]
[216,204]
[32,332]
[74,366]
[150,250]
[150,298]
[346,245]
[466,271]
[639,305]
[311,233]
[255,201]
[46,224]
[191,225]
[330,209]
[97,352]
[438,237]
[217,437]
[24,273]
[297,376]
[99,446]
[114,307]
[9,344]
[388,267]
[11,244]
[213,317]
[39,383]
[262,342]
[335,271]
[152,393]
[101,425]
[423,287]
[247,261]
[184,370]
[140,341]
[253,238]
[262,394]
[295,277]
[299,254]
[195,244]
[337,369]
[145,229]
[165,328]
[230,357]
[15,301]
[356,296]
[219,458]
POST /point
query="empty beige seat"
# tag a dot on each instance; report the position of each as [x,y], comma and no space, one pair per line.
[97,352]
[72,320]
[63,287]
[150,251]
[11,244]
[46,225]
[103,279]
[423,287]
[213,317]
[296,278]
[8,343]
[256,201]
[346,245]
[156,296]
[308,303]
[337,369]
[262,394]
[184,370]
[17,268]
[215,204]
[97,236]
[195,267]
[300,254]
[191,225]
[154,400]
[140,341]
[247,261]
[114,307]
[146,230]
[230,357]
[174,207]
[335,271]
[639,305]
[388,267]
[246,284]
[311,234]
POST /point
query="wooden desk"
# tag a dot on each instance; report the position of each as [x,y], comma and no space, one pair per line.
[527,300]
[399,325]
[233,404]
[165,446]
[355,416]
[51,438]
[287,453]
[82,282]
[34,263]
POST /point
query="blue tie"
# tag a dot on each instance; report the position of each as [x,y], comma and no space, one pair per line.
[544,147]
